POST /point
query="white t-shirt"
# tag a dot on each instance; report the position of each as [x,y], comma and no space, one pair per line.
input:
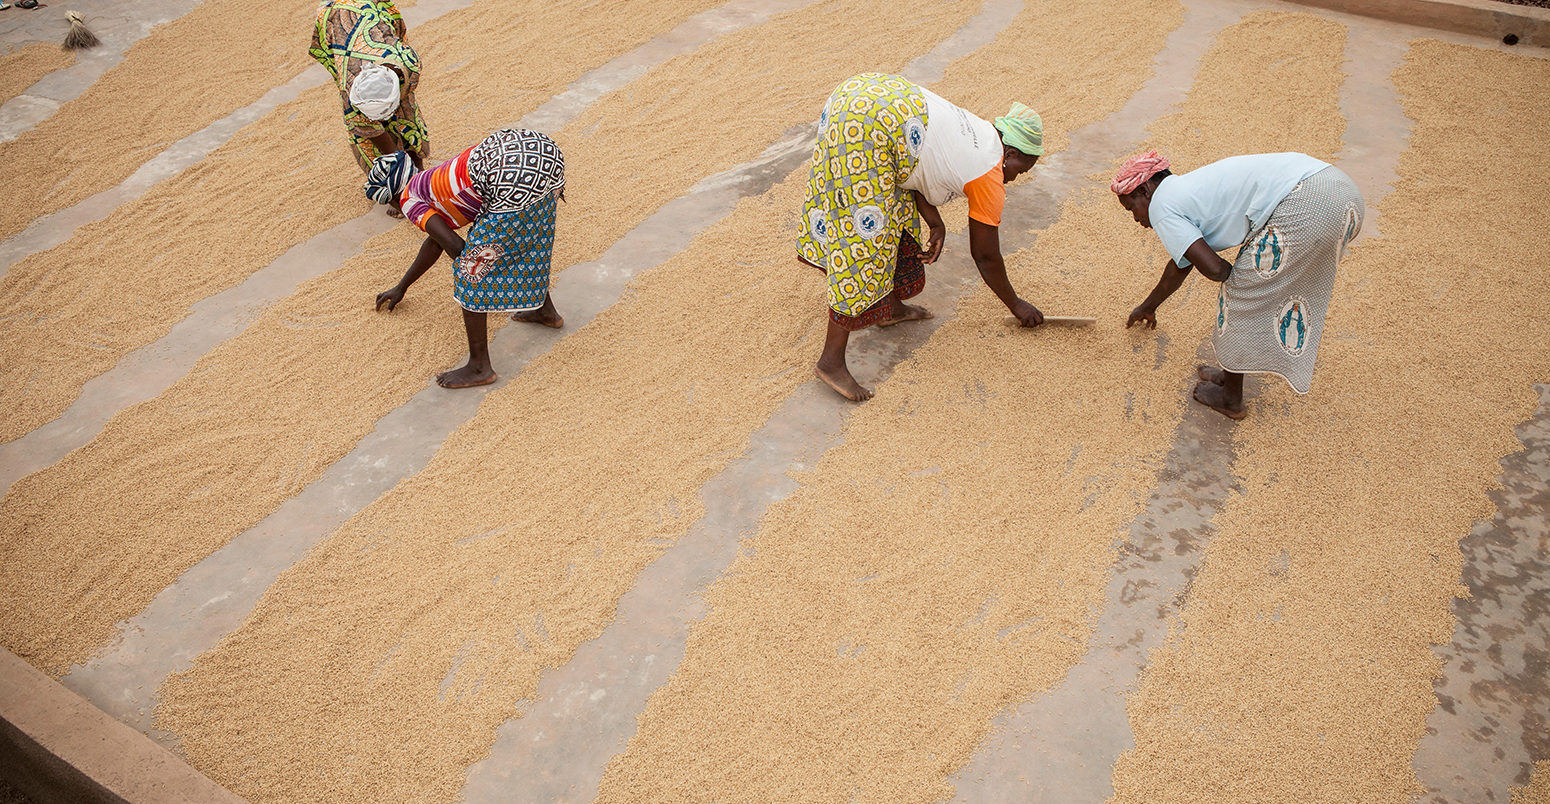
[957,149]
[1224,201]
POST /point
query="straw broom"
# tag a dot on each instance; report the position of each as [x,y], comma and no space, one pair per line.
[79,37]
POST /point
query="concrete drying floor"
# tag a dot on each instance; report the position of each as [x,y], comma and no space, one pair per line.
[1488,729]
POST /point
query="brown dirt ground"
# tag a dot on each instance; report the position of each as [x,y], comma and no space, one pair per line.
[1308,633]
[22,67]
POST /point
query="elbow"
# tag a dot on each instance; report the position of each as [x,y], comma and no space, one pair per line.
[1217,272]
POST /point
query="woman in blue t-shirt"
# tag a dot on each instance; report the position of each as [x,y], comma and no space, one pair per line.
[1293,216]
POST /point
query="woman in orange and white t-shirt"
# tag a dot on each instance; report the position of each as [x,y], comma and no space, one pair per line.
[888,151]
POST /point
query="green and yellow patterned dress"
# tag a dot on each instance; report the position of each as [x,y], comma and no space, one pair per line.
[859,224]
[347,35]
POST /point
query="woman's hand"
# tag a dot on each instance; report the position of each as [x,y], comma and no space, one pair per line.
[1143,315]
[391,297]
[933,219]
[1027,314]
[934,243]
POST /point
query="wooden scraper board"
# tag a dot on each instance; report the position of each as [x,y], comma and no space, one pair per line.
[1059,320]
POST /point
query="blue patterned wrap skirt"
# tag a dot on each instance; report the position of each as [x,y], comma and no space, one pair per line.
[505,262]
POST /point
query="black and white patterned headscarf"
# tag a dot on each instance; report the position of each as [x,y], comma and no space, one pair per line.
[389,175]
[514,168]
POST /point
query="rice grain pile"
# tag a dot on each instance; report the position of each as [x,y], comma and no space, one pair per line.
[21,67]
[721,105]
[1083,85]
[681,415]
[378,668]
[226,53]
[1308,634]
[195,234]
[949,558]
[1537,791]
[632,386]
[87,543]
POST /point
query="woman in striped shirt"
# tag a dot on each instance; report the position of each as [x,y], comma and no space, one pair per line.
[505,190]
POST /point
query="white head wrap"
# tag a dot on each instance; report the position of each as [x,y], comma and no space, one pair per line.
[375,91]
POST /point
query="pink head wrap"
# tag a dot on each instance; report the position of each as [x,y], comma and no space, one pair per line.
[1136,170]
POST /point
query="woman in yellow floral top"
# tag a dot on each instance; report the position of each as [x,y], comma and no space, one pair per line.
[361,44]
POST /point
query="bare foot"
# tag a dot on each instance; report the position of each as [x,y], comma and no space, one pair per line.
[845,384]
[552,320]
[465,377]
[1215,398]
[1211,374]
[394,212]
[905,312]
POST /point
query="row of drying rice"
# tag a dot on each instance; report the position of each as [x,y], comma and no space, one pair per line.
[426,607]
[992,477]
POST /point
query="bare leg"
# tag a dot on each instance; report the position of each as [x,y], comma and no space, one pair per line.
[831,366]
[1226,399]
[1211,374]
[546,315]
[478,370]
[901,312]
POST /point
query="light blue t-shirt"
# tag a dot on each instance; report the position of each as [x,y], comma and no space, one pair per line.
[1224,201]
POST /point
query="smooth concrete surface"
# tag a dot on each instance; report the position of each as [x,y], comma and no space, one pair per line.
[1489,18]
[1492,721]
[1494,702]
[57,746]
[1061,746]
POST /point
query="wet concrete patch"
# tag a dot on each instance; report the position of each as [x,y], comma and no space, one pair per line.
[1061,746]
[1492,721]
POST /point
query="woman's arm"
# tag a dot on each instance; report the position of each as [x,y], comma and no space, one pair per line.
[386,143]
[430,251]
[441,238]
[436,226]
[985,246]
[1172,278]
[938,229]
[1211,264]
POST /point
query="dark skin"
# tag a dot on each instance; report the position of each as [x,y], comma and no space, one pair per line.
[387,143]
[1218,389]
[477,371]
[984,247]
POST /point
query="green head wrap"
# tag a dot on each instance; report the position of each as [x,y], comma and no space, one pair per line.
[1022,129]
